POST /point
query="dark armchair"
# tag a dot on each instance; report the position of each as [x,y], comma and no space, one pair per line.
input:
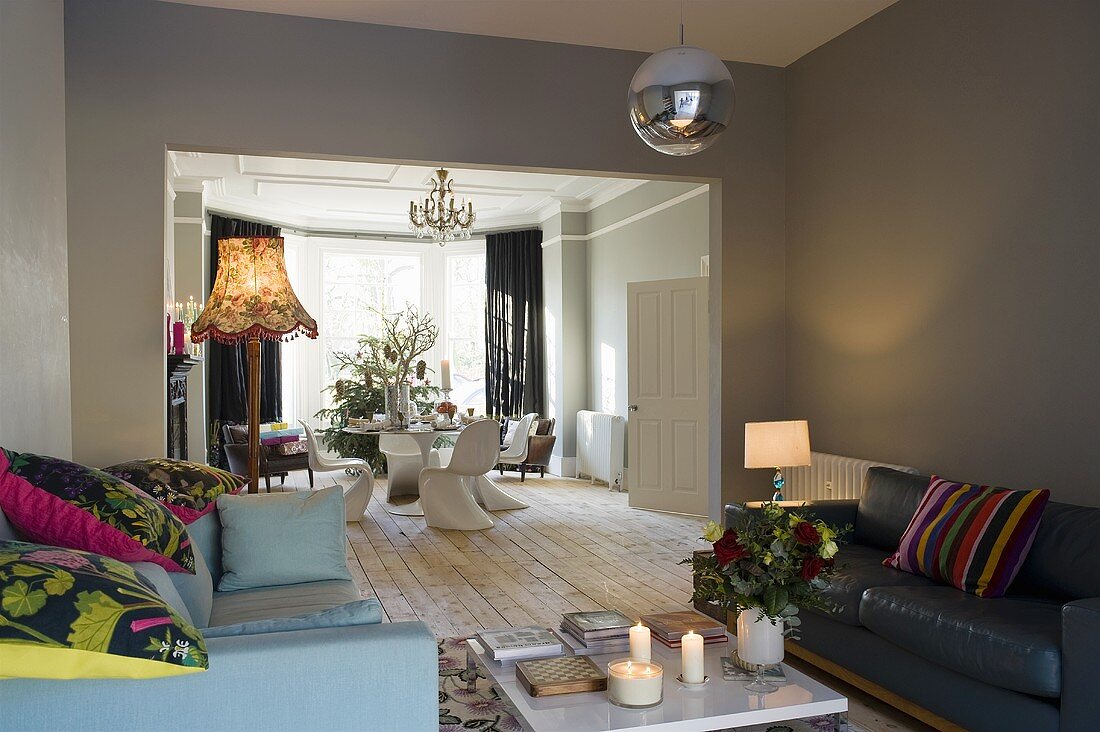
[540,444]
[235,441]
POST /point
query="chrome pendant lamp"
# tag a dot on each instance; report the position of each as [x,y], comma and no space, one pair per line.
[681,99]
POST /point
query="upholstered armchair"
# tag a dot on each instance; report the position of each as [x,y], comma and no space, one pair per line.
[235,441]
[534,454]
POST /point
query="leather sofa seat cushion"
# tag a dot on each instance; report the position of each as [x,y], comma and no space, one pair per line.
[284,601]
[886,505]
[1012,643]
[861,568]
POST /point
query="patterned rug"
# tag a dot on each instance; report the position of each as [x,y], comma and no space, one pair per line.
[485,710]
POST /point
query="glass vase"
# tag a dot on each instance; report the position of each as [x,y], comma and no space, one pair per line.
[397,405]
[759,642]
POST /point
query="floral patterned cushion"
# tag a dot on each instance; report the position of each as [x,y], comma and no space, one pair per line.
[75,615]
[188,489]
[54,501]
[301,447]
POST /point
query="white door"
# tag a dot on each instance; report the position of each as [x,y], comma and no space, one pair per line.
[668,395]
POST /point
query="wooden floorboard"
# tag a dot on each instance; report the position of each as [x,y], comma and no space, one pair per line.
[577,547]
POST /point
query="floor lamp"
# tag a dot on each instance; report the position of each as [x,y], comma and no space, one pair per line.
[251,301]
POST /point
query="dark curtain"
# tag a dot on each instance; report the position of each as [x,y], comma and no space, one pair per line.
[227,366]
[515,362]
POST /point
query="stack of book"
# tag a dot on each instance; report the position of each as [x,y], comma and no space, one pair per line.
[593,633]
[669,628]
[514,644]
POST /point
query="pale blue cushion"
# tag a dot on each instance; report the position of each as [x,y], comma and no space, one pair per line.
[196,589]
[284,601]
[162,583]
[282,538]
[360,612]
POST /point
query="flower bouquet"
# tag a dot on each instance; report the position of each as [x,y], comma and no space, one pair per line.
[772,562]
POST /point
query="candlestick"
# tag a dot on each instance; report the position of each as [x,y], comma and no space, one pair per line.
[641,646]
[445,374]
[691,658]
[632,683]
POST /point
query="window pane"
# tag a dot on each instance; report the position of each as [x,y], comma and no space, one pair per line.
[465,312]
[352,284]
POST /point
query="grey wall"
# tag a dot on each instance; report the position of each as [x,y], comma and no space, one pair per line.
[664,245]
[34,302]
[279,84]
[943,228]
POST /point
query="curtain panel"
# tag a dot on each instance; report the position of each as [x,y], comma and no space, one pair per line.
[515,361]
[227,366]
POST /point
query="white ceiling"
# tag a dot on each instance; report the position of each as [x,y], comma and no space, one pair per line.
[332,195]
[771,32]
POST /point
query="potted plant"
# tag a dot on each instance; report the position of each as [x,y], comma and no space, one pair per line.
[769,564]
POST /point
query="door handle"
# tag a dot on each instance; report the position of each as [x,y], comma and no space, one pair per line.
[632,408]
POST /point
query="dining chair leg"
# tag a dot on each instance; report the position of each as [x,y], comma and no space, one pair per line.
[310,471]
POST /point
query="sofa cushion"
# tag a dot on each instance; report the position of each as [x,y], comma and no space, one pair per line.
[1010,643]
[61,503]
[886,505]
[188,489]
[282,538]
[196,590]
[1064,531]
[69,614]
[285,601]
[359,612]
[972,537]
[861,568]
[161,581]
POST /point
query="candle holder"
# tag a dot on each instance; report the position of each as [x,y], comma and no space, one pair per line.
[635,684]
[691,684]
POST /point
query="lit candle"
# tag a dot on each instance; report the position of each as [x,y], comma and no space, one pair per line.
[691,658]
[634,683]
[640,643]
[445,374]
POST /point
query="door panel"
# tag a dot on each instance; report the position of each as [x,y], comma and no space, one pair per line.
[667,373]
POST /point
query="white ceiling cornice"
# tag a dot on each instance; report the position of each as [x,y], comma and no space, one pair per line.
[770,32]
[374,197]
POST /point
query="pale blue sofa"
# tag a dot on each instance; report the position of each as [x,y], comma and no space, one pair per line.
[373,677]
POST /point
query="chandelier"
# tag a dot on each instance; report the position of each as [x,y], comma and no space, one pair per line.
[437,217]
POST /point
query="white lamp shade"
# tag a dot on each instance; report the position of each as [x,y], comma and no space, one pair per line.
[777,444]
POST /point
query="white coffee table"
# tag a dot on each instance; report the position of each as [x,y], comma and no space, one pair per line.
[716,705]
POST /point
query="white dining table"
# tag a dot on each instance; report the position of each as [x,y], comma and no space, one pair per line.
[424,439]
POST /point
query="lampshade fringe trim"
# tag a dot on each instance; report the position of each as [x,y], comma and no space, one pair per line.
[258,331]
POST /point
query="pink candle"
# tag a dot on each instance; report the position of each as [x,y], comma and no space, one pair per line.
[177,338]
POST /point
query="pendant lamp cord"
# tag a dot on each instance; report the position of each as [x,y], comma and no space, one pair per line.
[681,22]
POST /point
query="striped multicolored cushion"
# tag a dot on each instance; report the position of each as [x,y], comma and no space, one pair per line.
[973,537]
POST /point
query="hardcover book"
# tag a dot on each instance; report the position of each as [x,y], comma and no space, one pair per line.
[670,626]
[597,624]
[509,644]
[594,647]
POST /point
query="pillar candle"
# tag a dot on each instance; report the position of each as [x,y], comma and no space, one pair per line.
[640,643]
[691,658]
[177,338]
[445,374]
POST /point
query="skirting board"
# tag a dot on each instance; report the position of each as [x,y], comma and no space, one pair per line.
[565,467]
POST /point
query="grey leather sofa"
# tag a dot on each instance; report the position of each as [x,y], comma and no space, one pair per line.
[1028,661]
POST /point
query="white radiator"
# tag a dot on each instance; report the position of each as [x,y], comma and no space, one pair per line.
[600,444]
[830,476]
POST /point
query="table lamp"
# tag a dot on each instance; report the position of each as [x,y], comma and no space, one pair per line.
[252,300]
[777,445]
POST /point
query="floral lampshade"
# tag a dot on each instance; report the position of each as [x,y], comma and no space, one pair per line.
[252,296]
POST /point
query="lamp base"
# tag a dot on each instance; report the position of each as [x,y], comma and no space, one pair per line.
[778,481]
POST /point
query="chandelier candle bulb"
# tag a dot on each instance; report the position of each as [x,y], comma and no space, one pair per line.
[641,643]
[691,658]
[633,683]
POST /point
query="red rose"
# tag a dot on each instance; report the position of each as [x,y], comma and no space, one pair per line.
[811,567]
[728,548]
[805,533]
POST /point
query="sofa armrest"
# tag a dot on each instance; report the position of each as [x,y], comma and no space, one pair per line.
[1080,664]
[381,678]
[838,513]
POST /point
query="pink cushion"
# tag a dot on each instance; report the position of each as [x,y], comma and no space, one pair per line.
[61,503]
